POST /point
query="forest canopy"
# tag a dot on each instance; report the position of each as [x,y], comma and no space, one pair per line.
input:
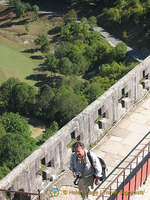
[80,66]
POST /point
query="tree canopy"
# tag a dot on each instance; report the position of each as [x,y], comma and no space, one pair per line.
[14,123]
[68,104]
[14,148]
[15,141]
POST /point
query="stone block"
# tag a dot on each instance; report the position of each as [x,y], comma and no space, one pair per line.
[49,173]
[146,84]
[103,123]
[126,103]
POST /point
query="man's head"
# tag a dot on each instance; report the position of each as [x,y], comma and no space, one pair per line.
[79,149]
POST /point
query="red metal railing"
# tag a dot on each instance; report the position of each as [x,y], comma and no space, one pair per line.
[18,195]
[130,178]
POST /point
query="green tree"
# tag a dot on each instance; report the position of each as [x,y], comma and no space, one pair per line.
[44,102]
[84,20]
[75,53]
[11,2]
[28,6]
[113,71]
[14,148]
[114,15]
[125,35]
[20,10]
[24,98]
[49,132]
[75,31]
[14,123]
[2,131]
[65,66]
[92,21]
[4,170]
[138,12]
[43,42]
[27,28]
[70,16]
[120,51]
[73,82]
[52,62]
[104,82]
[62,49]
[68,104]
[14,2]
[36,10]
[148,4]
[6,92]
[93,91]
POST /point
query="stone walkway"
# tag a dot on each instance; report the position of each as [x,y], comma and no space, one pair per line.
[114,147]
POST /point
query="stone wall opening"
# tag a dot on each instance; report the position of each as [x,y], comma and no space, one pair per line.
[48,171]
[144,81]
[102,118]
[125,100]
[43,161]
[73,135]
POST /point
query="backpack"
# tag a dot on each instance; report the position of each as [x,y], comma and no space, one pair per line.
[103,164]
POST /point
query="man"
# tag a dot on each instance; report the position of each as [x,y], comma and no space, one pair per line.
[80,164]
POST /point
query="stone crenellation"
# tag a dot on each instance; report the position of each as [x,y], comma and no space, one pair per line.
[90,125]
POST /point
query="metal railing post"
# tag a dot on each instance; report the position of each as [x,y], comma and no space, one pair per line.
[39,194]
[142,167]
[129,181]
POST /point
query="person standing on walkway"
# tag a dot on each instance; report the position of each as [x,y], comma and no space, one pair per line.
[86,174]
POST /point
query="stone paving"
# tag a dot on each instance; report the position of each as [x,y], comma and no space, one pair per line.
[114,147]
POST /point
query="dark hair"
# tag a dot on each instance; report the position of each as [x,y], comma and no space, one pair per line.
[79,144]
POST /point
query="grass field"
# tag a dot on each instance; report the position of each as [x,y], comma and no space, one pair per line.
[14,63]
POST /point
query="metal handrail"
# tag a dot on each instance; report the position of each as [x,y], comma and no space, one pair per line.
[124,169]
[122,160]
[21,192]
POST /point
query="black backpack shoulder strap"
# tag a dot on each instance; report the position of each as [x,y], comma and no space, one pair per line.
[91,161]
[103,165]
[90,158]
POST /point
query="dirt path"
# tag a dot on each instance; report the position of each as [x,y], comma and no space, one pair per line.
[39,132]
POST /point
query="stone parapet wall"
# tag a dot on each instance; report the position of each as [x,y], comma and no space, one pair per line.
[90,125]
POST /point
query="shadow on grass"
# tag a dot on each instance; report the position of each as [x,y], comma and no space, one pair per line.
[36,77]
[30,50]
[6,25]
[6,19]
[3,19]
[42,79]
[43,14]
[22,22]
[21,34]
[55,30]
[56,39]
[36,57]
[6,11]
[52,81]
[9,24]
[41,69]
